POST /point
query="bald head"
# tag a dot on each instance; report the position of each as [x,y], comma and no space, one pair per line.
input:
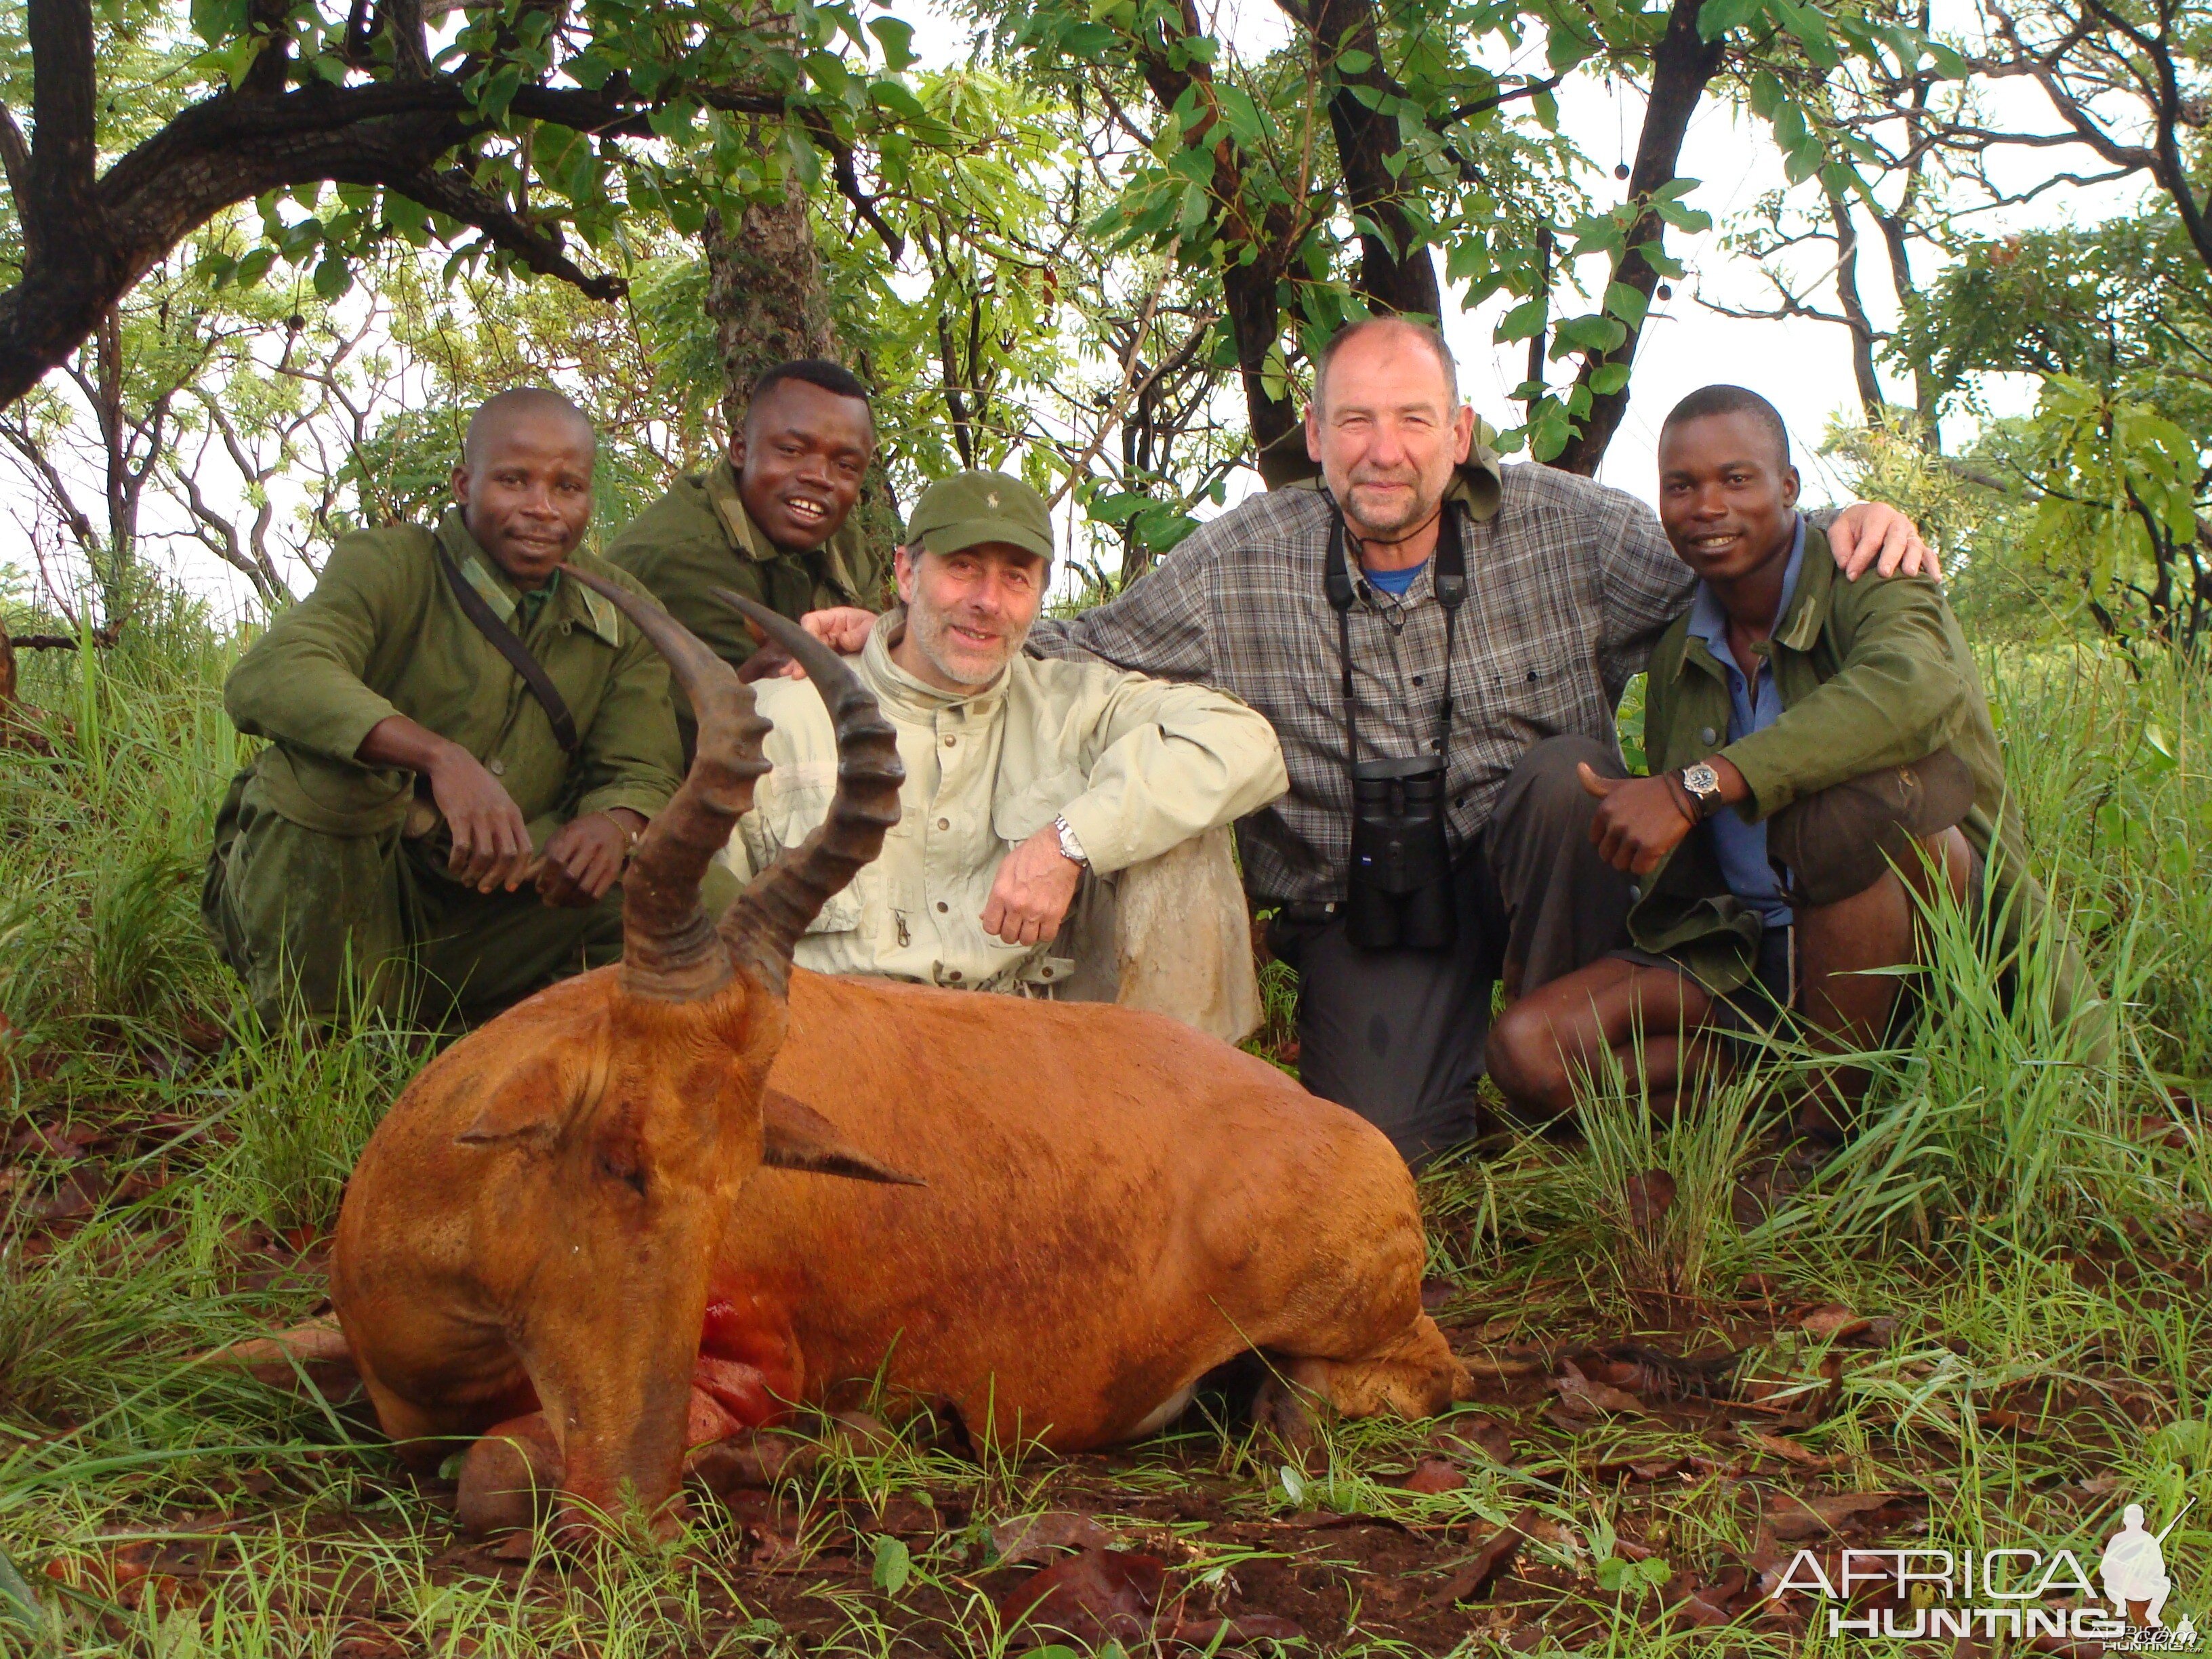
[1374,332]
[536,406]
[524,481]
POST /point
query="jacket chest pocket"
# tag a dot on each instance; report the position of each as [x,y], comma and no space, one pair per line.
[1019,812]
[801,802]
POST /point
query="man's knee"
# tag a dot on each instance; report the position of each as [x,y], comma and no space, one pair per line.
[1523,1058]
[1839,842]
[1544,786]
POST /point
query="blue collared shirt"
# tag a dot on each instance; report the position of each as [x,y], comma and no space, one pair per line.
[1740,848]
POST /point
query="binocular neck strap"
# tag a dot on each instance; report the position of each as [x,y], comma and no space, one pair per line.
[1449,580]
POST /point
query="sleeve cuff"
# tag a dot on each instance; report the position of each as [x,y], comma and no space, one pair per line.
[1107,850]
[642,798]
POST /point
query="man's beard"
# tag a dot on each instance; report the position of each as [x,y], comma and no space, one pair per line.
[931,632]
[1419,509]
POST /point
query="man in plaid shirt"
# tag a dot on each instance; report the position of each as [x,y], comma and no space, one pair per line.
[1569,583]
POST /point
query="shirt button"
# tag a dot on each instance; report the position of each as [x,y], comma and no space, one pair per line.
[945,824]
[942,907]
[954,976]
[1707,734]
[498,767]
[1417,679]
[950,740]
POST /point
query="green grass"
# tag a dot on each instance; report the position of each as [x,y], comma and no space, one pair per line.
[2033,1218]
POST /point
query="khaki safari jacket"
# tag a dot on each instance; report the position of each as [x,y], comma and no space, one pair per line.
[1135,765]
[1872,674]
[383,634]
[698,536]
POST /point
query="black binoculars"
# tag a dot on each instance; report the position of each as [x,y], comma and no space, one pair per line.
[1400,893]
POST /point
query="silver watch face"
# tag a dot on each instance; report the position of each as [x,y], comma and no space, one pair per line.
[1701,779]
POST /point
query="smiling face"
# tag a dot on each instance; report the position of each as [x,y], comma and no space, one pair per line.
[967,611]
[1726,497]
[1387,431]
[525,484]
[800,461]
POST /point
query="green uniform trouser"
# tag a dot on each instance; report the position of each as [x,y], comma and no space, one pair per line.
[314,922]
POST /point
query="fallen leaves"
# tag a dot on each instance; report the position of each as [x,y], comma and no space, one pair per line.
[1792,1518]
[1491,1563]
[1649,1197]
[1791,1451]
[1432,1475]
[1097,1596]
[1036,1537]
[1584,1397]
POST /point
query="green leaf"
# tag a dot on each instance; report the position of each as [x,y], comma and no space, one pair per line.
[1629,304]
[896,97]
[1524,319]
[1245,124]
[894,1565]
[217,20]
[1608,378]
[1354,62]
[1716,17]
[332,278]
[1087,41]
[896,38]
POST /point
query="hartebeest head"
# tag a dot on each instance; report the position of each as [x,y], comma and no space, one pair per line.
[554,1188]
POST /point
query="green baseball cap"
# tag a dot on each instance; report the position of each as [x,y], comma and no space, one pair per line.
[970,508]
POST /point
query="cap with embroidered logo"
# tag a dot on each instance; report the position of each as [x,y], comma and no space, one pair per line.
[970,508]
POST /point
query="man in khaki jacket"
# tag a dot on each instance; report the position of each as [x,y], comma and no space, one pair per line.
[1021,774]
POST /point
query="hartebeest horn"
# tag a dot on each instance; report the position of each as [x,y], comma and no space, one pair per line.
[762,928]
[671,951]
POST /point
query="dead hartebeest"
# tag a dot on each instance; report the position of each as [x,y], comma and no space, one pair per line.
[608,1204]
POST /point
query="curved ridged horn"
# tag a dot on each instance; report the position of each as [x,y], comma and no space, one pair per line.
[762,928]
[671,951]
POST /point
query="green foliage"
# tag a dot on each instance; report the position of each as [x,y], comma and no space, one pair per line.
[2099,491]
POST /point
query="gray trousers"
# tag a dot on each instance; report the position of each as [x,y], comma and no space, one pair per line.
[1397,1036]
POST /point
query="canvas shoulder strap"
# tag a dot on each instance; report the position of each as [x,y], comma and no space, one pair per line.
[474,607]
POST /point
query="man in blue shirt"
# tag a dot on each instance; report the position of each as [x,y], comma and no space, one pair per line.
[1822,761]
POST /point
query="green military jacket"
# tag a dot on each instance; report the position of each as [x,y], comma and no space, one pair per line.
[698,536]
[382,635]
[1872,674]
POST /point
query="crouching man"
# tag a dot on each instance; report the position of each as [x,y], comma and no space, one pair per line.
[1022,776]
[463,749]
[1822,757]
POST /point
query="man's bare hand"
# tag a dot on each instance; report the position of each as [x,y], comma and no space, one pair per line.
[584,857]
[843,627]
[1638,822]
[491,842]
[1035,885]
[1873,535]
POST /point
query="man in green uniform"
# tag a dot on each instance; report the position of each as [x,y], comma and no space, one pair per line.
[772,524]
[427,828]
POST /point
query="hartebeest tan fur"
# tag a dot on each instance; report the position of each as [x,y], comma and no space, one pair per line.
[609,1204]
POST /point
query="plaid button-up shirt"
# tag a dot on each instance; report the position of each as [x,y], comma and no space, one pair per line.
[1569,585]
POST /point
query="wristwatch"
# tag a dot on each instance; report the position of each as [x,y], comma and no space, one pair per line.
[1070,847]
[1704,786]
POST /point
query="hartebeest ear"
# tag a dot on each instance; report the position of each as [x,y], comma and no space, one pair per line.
[794,1136]
[528,1103]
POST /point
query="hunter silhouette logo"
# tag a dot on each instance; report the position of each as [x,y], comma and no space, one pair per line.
[1991,1593]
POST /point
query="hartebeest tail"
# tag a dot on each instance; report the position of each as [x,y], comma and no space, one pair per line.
[531,1226]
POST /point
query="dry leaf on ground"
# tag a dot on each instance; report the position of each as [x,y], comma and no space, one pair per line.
[1491,1563]
[1035,1537]
[1093,1595]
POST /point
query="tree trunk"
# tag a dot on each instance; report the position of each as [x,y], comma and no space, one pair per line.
[1871,402]
[1394,273]
[764,292]
[1682,66]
